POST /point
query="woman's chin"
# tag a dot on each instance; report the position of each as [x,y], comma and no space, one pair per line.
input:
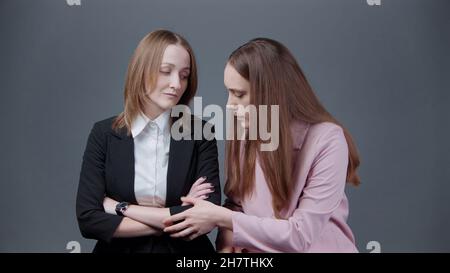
[167,104]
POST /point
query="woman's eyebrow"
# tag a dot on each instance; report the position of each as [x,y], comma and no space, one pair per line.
[236,90]
[172,65]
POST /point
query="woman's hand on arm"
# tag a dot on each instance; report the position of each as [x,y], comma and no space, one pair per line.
[200,190]
[152,216]
[198,220]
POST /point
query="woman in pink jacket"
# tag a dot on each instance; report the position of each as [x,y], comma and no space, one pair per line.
[290,199]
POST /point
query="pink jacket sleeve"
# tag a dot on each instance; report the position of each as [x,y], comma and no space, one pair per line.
[321,196]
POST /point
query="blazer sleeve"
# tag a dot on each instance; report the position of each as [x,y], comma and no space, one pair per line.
[93,221]
[323,193]
[208,166]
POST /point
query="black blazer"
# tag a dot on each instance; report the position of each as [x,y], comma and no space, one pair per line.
[108,169]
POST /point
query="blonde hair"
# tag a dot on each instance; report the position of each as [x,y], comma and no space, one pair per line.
[143,71]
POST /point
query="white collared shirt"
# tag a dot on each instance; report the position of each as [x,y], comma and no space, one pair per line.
[151,158]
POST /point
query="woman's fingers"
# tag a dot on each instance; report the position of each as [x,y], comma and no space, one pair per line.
[199,181]
[195,190]
[201,189]
[176,228]
[185,232]
[192,236]
[198,186]
[203,186]
[202,192]
[174,218]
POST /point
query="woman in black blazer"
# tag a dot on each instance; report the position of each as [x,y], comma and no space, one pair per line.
[134,172]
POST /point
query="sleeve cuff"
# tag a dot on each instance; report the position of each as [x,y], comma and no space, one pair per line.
[178,209]
[236,220]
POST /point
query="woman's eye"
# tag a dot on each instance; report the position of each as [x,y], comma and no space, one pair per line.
[238,94]
[184,77]
[164,72]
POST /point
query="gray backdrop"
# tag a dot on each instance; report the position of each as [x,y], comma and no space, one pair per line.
[381,70]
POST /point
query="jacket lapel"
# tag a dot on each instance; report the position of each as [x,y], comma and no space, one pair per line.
[180,155]
[122,151]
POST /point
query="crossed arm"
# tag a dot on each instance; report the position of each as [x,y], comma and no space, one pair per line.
[92,207]
[200,219]
[145,220]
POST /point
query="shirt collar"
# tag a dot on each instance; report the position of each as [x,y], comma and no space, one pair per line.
[141,121]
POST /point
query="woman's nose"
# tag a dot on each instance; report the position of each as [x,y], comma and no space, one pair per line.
[231,101]
[175,82]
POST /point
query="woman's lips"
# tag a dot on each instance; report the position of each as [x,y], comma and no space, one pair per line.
[171,95]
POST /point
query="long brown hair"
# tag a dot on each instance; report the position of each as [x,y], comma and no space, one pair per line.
[275,79]
[143,70]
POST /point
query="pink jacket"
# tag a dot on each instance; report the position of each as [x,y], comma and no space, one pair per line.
[317,214]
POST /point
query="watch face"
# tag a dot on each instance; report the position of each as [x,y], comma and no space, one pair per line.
[121,207]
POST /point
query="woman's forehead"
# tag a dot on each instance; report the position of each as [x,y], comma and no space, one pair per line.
[177,56]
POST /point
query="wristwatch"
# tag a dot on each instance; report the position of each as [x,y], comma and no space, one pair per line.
[121,208]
